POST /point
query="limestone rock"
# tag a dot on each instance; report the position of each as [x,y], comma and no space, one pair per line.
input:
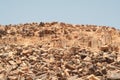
[113,75]
[59,51]
[92,77]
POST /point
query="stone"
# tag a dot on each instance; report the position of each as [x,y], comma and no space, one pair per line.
[104,48]
[59,51]
[87,58]
[92,77]
[118,58]
[113,75]
[13,77]
[72,78]
[69,66]
[12,62]
[2,76]
[34,58]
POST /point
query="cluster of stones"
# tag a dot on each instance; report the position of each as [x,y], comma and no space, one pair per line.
[59,51]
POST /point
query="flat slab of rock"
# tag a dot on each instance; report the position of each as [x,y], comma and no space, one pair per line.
[113,75]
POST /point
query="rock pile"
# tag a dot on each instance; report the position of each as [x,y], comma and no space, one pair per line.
[59,51]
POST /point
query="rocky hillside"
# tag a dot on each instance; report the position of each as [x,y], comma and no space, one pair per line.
[59,51]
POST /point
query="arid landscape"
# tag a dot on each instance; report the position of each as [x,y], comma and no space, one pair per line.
[59,51]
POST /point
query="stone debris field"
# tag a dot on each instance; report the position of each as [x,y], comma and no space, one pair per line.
[59,51]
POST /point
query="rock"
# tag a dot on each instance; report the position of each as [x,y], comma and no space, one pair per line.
[66,73]
[13,63]
[25,69]
[41,24]
[95,54]
[27,52]
[13,77]
[18,61]
[3,55]
[105,48]
[69,66]
[38,79]
[87,58]
[42,77]
[113,75]
[104,71]
[34,58]
[72,78]
[109,59]
[29,78]
[2,76]
[14,72]
[98,73]
[59,51]
[83,56]
[118,58]
[2,32]
[92,69]
[92,77]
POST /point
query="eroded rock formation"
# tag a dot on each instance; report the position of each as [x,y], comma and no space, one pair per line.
[59,51]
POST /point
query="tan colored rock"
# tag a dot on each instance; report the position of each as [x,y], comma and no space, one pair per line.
[2,76]
[73,78]
[69,66]
[105,48]
[13,77]
[93,77]
[118,58]
[113,75]
[51,51]
[87,58]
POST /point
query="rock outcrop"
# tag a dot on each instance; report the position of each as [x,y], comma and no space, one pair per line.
[59,51]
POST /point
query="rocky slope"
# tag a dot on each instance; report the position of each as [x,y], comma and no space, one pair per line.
[59,51]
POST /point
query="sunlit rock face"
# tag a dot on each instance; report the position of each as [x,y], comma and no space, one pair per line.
[61,35]
[59,51]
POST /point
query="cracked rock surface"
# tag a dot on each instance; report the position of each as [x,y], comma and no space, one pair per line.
[59,51]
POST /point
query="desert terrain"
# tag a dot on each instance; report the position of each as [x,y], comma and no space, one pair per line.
[59,51]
